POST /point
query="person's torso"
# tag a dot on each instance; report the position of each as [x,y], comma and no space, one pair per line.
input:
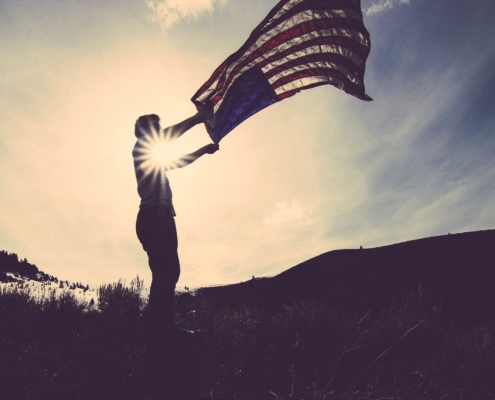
[152,182]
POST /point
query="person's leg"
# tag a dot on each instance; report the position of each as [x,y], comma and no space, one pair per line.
[156,230]
[165,268]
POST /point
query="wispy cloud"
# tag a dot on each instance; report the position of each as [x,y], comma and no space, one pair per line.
[289,212]
[170,12]
[383,5]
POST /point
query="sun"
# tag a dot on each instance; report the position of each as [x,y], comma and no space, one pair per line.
[159,153]
[153,154]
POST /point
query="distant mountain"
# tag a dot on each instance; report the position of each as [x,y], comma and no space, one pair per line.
[12,269]
[457,272]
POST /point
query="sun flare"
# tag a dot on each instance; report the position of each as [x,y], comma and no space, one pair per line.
[154,154]
[159,153]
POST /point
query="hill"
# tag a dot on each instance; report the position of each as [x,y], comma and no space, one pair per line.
[456,271]
[18,273]
[13,270]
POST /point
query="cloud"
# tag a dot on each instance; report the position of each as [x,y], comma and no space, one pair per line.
[383,5]
[170,12]
[289,212]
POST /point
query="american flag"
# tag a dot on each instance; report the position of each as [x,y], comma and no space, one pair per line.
[299,45]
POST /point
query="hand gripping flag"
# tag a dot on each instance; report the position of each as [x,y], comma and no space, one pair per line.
[299,45]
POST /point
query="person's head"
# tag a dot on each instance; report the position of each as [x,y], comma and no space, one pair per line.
[145,124]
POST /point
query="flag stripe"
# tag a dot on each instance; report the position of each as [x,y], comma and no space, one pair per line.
[299,45]
[309,53]
[310,72]
[307,62]
[285,8]
[291,88]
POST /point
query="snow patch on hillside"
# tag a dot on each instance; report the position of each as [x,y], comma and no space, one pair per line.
[44,290]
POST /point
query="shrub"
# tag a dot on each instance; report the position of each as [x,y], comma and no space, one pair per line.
[116,300]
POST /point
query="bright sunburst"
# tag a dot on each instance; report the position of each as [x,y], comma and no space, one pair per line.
[153,154]
[159,153]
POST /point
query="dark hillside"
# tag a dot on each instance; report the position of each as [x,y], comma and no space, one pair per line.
[456,271]
[22,269]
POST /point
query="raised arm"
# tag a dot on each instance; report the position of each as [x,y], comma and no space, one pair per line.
[175,131]
[190,158]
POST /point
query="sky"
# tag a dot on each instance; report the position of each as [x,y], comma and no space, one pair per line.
[316,172]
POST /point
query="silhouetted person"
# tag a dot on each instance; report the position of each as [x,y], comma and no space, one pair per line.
[155,224]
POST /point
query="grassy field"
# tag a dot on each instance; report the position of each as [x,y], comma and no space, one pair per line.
[60,348]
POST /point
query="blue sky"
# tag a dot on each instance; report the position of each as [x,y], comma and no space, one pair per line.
[317,172]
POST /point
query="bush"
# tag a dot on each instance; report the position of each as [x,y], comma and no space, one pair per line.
[119,301]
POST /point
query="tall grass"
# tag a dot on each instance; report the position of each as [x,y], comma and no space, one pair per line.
[60,348]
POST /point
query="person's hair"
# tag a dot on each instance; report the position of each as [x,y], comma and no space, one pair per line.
[144,123]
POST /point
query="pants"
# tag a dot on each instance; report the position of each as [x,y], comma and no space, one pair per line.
[156,230]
